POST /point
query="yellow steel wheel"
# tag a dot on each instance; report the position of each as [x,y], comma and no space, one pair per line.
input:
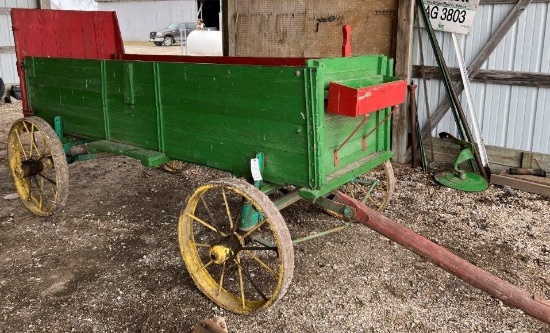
[243,271]
[38,165]
[374,188]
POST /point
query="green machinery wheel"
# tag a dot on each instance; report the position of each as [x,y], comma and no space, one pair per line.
[38,165]
[460,179]
[243,271]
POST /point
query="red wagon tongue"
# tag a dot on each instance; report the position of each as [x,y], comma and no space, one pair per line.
[469,273]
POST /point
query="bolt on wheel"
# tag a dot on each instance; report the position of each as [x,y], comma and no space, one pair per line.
[38,165]
[241,270]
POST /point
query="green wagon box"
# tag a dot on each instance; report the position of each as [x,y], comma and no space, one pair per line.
[265,120]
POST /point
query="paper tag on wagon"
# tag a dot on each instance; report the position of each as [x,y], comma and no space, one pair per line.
[255,169]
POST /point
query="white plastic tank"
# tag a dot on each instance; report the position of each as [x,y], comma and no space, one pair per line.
[204,43]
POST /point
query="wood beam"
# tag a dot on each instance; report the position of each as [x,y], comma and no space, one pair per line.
[225,27]
[403,69]
[475,66]
[7,49]
[525,79]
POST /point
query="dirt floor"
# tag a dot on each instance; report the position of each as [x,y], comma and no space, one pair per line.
[109,260]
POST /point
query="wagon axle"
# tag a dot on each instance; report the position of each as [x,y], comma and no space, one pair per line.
[33,167]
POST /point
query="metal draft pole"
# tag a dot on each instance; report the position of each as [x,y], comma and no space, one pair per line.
[506,292]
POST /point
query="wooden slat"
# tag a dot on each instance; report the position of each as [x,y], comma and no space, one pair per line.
[521,184]
[475,66]
[500,159]
[7,49]
[403,67]
[490,76]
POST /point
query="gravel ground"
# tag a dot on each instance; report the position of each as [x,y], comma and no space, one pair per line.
[109,261]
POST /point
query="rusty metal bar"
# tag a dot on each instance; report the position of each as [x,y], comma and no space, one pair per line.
[471,274]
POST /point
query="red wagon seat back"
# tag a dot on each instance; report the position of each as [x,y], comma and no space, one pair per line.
[63,34]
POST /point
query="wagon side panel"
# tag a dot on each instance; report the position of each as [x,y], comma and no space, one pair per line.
[222,115]
[69,88]
[130,104]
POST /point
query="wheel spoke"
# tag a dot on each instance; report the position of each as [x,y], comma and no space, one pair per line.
[33,142]
[220,284]
[261,263]
[48,179]
[249,278]
[207,209]
[31,136]
[241,282]
[21,144]
[254,228]
[259,248]
[204,267]
[227,209]
[202,222]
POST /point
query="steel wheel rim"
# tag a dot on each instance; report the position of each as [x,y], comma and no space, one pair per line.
[38,165]
[374,188]
[233,284]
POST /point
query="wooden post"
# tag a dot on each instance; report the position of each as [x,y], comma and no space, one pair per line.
[224,7]
[403,70]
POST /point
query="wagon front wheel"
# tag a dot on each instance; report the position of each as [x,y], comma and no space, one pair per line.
[38,165]
[236,246]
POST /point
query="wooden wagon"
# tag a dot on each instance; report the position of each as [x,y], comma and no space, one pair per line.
[287,129]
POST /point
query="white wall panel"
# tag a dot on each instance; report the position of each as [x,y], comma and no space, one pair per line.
[138,18]
[8,69]
[511,117]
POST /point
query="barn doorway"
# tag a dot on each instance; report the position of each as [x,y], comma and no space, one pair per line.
[209,12]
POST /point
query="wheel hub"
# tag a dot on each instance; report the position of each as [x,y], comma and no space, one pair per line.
[220,253]
[29,168]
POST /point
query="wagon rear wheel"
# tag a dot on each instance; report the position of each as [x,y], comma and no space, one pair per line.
[243,271]
[373,188]
[38,165]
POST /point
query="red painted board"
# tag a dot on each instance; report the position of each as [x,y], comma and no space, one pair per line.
[353,102]
[276,62]
[346,40]
[63,34]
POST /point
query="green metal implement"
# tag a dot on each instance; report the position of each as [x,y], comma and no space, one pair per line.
[461,179]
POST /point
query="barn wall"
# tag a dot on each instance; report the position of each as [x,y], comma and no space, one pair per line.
[138,18]
[8,69]
[310,28]
[510,116]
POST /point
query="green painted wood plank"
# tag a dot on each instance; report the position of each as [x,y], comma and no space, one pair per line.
[148,158]
[337,179]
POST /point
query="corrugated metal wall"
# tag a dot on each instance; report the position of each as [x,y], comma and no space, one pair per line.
[8,69]
[138,18]
[510,116]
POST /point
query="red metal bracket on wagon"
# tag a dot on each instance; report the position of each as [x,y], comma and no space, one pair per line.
[346,100]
